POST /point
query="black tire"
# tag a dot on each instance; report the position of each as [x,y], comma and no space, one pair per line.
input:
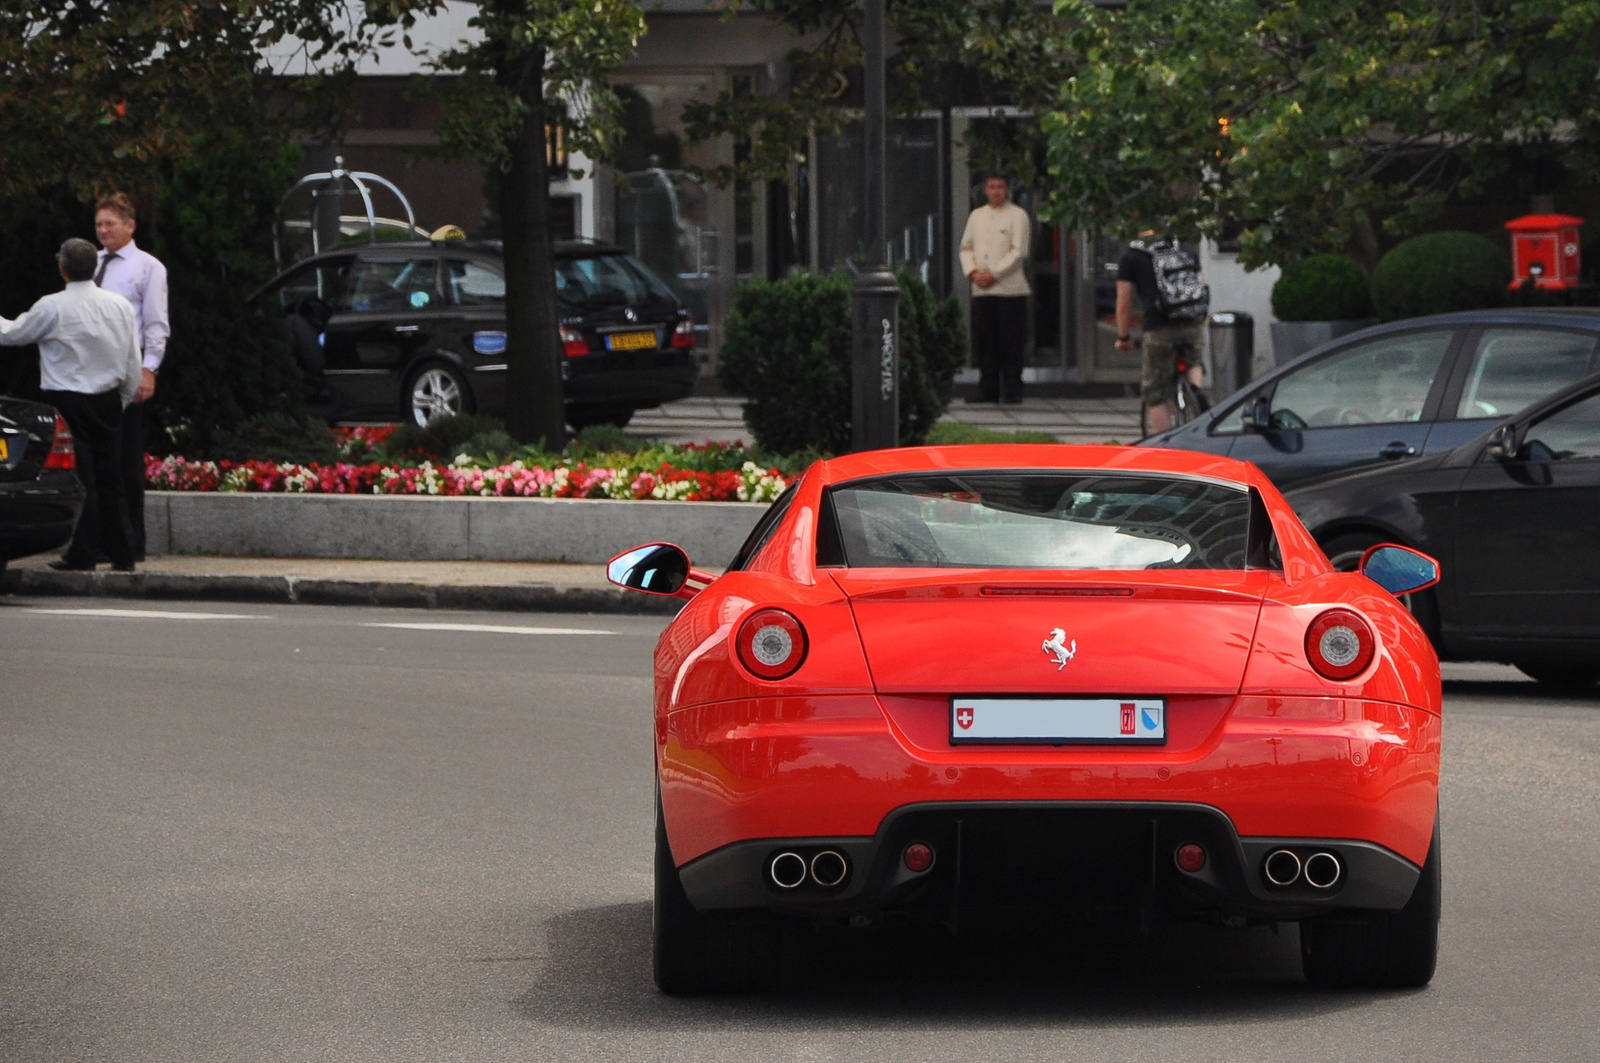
[581,417]
[434,390]
[1194,403]
[1345,551]
[1378,950]
[1565,674]
[706,952]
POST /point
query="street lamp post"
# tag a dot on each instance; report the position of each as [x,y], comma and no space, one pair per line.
[875,381]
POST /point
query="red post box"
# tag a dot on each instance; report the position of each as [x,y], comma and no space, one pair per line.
[1544,249]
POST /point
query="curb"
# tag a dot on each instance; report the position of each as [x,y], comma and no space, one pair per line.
[299,590]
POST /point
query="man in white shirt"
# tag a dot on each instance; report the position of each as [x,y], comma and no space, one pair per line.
[994,254]
[140,278]
[88,370]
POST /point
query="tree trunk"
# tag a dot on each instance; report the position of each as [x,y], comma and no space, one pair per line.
[535,412]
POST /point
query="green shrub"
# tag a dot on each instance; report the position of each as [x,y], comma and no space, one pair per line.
[1439,272]
[275,436]
[441,441]
[952,433]
[786,349]
[1322,288]
[607,438]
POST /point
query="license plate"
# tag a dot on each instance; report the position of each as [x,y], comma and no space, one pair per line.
[1059,721]
[630,341]
[5,449]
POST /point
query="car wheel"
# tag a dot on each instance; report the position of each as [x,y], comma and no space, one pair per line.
[1378,950]
[705,952]
[433,392]
[1561,673]
[581,417]
[1345,553]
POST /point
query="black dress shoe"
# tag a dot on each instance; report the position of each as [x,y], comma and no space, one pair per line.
[63,565]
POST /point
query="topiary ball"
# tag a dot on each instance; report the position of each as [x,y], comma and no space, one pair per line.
[1322,288]
[1439,272]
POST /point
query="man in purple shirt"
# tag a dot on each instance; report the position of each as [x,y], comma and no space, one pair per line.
[140,278]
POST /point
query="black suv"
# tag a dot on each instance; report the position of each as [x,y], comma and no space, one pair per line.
[416,331]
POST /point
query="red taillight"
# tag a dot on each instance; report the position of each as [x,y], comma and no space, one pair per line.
[918,857]
[1191,857]
[1339,644]
[683,335]
[62,454]
[573,345]
[772,644]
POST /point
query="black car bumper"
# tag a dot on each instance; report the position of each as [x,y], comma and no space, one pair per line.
[38,515]
[1034,858]
[635,379]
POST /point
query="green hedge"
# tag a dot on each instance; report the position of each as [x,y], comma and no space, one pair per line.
[786,349]
[1322,288]
[1439,272]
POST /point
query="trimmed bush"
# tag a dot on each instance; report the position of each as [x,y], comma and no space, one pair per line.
[1439,272]
[465,433]
[275,436]
[786,349]
[1322,288]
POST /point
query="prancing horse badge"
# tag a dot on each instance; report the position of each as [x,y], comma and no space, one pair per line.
[1056,647]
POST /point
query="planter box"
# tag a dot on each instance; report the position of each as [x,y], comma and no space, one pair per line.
[407,528]
[1291,339]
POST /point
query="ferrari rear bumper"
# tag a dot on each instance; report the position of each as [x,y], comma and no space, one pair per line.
[994,859]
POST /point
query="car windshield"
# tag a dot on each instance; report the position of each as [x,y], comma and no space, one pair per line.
[1032,519]
[607,279]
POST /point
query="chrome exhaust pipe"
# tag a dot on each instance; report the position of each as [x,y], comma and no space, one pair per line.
[787,870]
[1323,871]
[828,868]
[1282,867]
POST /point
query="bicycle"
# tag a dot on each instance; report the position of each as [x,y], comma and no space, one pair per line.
[1189,398]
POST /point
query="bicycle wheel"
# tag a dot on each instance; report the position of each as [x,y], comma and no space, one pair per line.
[1191,403]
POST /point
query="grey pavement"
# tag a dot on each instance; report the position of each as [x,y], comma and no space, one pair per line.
[698,419]
[292,833]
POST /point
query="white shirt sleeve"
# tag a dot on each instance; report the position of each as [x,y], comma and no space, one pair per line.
[34,324]
[157,327]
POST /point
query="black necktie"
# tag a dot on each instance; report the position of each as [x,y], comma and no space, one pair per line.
[100,274]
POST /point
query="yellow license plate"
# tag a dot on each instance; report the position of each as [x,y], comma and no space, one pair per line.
[5,449]
[630,341]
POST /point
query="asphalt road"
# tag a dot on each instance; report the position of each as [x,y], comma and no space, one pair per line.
[294,833]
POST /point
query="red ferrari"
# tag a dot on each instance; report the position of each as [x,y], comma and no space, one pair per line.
[954,684]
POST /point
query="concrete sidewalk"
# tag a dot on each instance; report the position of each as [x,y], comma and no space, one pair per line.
[698,419]
[500,585]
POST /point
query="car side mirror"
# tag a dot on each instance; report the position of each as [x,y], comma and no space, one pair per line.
[1257,415]
[1502,443]
[655,568]
[1399,569]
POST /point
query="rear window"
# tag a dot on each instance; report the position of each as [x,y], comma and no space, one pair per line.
[607,279]
[1049,520]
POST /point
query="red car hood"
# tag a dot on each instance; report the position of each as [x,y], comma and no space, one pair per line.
[995,631]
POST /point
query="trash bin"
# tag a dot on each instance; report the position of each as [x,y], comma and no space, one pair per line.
[1233,350]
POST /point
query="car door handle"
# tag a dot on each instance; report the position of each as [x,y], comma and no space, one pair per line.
[407,328]
[1398,449]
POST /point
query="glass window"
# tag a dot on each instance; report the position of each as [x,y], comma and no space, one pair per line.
[1571,432]
[1516,367]
[475,285]
[389,285]
[605,279]
[1055,520]
[1383,381]
[319,280]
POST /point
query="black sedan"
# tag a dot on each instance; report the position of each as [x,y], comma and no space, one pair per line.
[1408,388]
[1513,517]
[416,330]
[40,496]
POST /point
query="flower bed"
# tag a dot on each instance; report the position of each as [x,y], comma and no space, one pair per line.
[556,477]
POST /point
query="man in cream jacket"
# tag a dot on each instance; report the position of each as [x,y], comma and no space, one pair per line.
[994,254]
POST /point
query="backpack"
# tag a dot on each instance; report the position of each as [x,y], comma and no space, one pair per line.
[1180,293]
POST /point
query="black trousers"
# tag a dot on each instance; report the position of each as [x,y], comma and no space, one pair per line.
[999,334]
[96,423]
[132,473]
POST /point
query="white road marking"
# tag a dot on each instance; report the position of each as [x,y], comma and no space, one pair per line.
[150,614]
[497,629]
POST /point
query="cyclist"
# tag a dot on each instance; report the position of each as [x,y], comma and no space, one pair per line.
[1165,275]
